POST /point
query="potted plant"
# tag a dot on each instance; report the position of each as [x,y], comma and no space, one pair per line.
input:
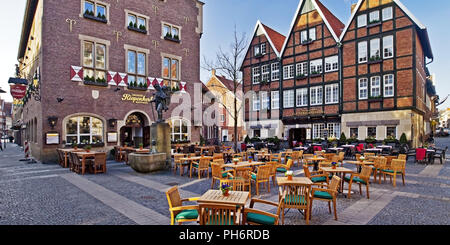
[343,138]
[88,148]
[334,165]
[225,189]
[250,159]
[289,175]
[362,158]
[75,146]
[141,146]
[403,139]
[235,161]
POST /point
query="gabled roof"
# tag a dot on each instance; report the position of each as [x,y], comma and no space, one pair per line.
[335,26]
[229,84]
[275,39]
[422,30]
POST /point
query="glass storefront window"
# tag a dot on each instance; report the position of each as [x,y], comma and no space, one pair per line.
[84,130]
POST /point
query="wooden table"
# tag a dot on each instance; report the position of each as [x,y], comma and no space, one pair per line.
[316,161]
[294,181]
[263,156]
[243,164]
[238,198]
[336,149]
[359,164]
[338,170]
[66,155]
[83,156]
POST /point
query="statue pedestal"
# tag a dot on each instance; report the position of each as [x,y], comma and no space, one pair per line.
[160,133]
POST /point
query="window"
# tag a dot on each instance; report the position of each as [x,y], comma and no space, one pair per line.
[334,130]
[302,69]
[387,13]
[388,47]
[256,75]
[316,95]
[308,36]
[362,52]
[312,34]
[363,88]
[372,132]
[94,62]
[84,130]
[257,133]
[316,67]
[388,85]
[260,49]
[318,131]
[331,64]
[391,131]
[288,99]
[304,36]
[265,102]
[137,22]
[332,94]
[374,17]
[354,133]
[362,20]
[265,73]
[256,103]
[137,68]
[275,71]
[222,117]
[288,72]
[171,68]
[302,97]
[275,100]
[98,11]
[171,32]
[180,130]
[375,49]
[263,48]
[375,90]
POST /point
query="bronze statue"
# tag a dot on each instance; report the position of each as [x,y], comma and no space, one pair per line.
[162,100]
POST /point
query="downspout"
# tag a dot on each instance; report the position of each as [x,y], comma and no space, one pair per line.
[341,88]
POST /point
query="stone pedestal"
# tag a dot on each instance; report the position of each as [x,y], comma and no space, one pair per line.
[160,134]
[147,163]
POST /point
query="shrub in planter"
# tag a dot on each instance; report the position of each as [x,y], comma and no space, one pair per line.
[403,139]
[371,140]
[255,140]
[247,140]
[317,140]
[352,140]
[390,139]
[343,138]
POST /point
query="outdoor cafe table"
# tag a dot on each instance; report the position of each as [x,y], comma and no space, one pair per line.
[374,150]
[83,156]
[315,161]
[66,155]
[348,146]
[243,164]
[264,156]
[295,181]
[338,170]
[337,149]
[300,148]
[359,164]
[238,198]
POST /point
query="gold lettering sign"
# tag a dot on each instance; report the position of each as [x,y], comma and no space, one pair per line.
[315,111]
[137,98]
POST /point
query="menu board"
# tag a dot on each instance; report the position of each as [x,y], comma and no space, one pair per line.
[52,139]
[112,137]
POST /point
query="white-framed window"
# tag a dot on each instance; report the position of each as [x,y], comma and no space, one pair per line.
[387,13]
[375,49]
[312,34]
[316,95]
[363,88]
[265,73]
[137,22]
[265,101]
[288,98]
[375,87]
[334,130]
[331,63]
[391,131]
[137,68]
[94,62]
[260,49]
[362,20]
[170,31]
[263,48]
[302,69]
[316,67]
[307,36]
[84,130]
[302,97]
[388,47]
[388,85]
[256,75]
[288,72]
[374,17]
[362,52]
[275,100]
[332,93]
[318,131]
[180,129]
[275,71]
[304,36]
[256,103]
[95,9]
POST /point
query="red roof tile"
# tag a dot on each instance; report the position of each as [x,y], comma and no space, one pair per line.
[229,84]
[277,38]
[334,22]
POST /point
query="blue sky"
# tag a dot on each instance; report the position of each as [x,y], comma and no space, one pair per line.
[220,17]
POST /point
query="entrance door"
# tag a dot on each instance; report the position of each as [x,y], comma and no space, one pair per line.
[147,136]
[126,136]
[297,134]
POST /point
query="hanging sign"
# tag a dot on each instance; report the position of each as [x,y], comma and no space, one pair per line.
[18,91]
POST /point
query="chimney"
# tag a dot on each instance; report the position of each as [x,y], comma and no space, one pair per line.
[353,8]
[214,72]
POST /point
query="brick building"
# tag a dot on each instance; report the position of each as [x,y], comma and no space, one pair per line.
[93,66]
[366,78]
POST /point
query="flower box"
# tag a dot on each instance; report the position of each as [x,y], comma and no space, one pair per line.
[315,74]
[172,39]
[258,56]
[307,42]
[137,88]
[373,24]
[95,83]
[300,77]
[132,28]
[92,17]
[374,61]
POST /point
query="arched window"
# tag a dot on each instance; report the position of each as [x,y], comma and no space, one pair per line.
[84,130]
[180,130]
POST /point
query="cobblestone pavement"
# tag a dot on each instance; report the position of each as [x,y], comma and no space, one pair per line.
[43,194]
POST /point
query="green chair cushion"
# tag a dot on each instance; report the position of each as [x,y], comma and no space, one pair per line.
[260,219]
[195,165]
[281,170]
[253,177]
[295,200]
[319,179]
[392,171]
[224,175]
[355,179]
[274,160]
[187,214]
[323,195]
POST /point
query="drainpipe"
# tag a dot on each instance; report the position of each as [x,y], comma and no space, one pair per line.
[341,87]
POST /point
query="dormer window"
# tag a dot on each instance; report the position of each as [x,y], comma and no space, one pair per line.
[308,36]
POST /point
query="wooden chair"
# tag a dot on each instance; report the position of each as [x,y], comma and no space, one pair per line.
[368,155]
[402,157]
[283,168]
[295,156]
[177,163]
[362,178]
[202,165]
[236,184]
[273,171]
[327,195]
[178,212]
[318,178]
[306,161]
[329,156]
[397,167]
[380,163]
[275,158]
[117,153]
[61,158]
[221,162]
[254,216]
[99,164]
[76,162]
[262,177]
[218,173]
[219,214]
[217,156]
[325,164]
[319,153]
[295,197]
[341,157]
[244,174]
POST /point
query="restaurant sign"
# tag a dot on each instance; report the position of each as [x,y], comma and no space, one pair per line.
[137,98]
[18,91]
[315,111]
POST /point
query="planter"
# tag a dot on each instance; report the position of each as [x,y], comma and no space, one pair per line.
[137,88]
[289,177]
[374,24]
[172,39]
[258,56]
[94,83]
[91,17]
[132,28]
[307,42]
[147,163]
[371,62]
[375,99]
[225,193]
[316,75]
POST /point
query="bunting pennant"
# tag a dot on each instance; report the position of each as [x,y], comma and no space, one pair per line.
[76,74]
[183,87]
[122,79]
[111,78]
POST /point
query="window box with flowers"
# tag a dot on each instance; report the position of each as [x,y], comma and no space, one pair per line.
[307,41]
[137,86]
[375,60]
[315,74]
[300,76]
[259,55]
[101,82]
[174,38]
[91,15]
[134,27]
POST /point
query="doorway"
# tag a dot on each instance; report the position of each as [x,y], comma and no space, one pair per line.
[297,134]
[135,131]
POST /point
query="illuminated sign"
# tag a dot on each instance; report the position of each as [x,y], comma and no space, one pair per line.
[137,98]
